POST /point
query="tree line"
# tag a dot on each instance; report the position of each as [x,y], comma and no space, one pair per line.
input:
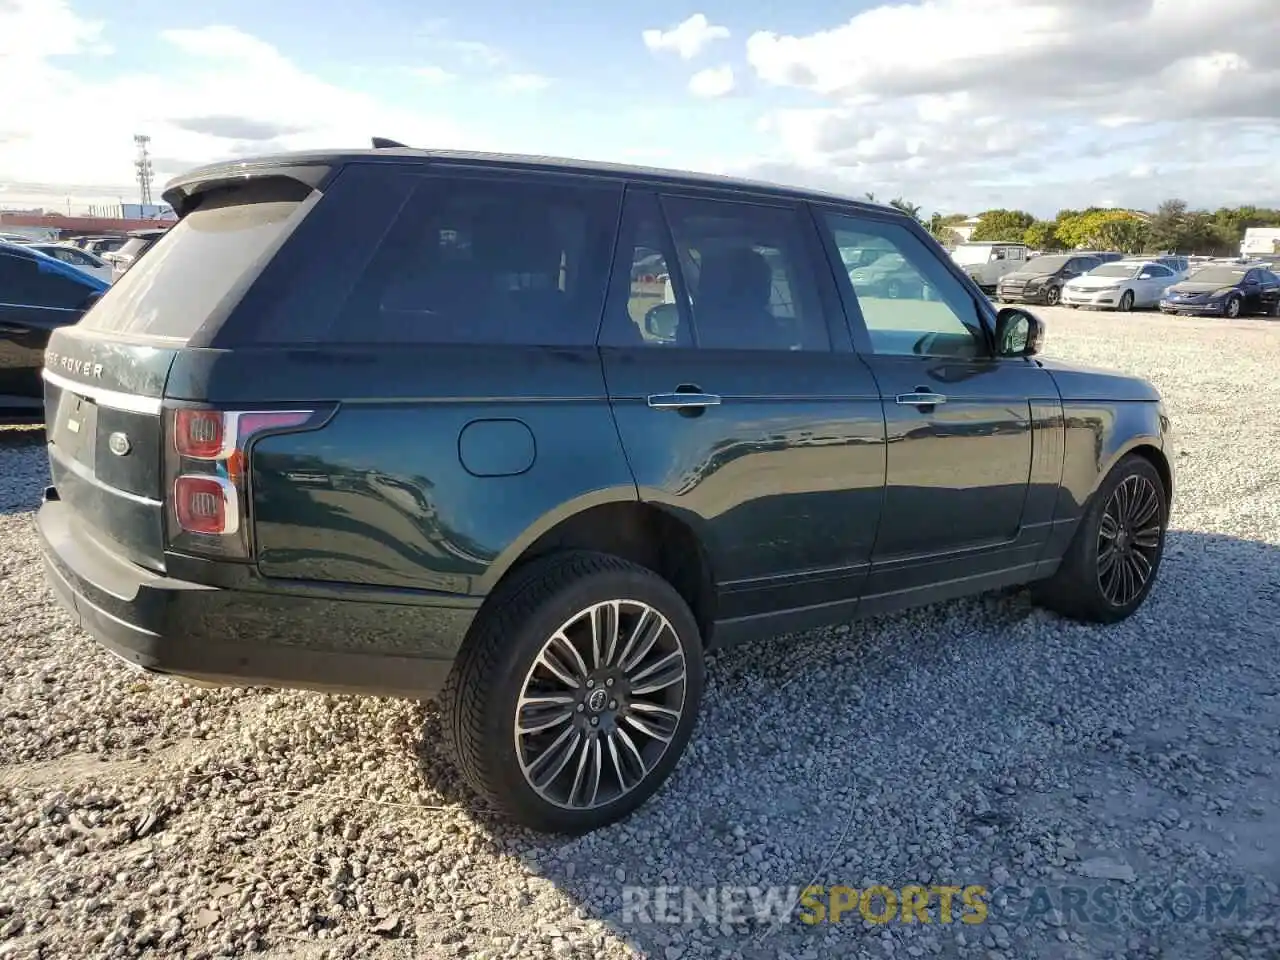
[1173,228]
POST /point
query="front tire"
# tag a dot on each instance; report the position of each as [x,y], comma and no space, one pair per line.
[1112,561]
[1126,302]
[1233,308]
[575,692]
[1053,296]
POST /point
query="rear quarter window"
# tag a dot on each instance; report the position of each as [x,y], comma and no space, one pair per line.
[201,267]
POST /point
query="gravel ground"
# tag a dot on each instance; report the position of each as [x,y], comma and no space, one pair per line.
[981,742]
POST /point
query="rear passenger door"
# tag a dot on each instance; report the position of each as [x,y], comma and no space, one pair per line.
[737,407]
[959,420]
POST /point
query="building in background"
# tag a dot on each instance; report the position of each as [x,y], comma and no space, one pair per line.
[148,211]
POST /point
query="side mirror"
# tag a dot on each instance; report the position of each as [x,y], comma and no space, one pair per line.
[1019,333]
[662,321]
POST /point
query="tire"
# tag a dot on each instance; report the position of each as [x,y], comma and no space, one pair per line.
[505,657]
[1079,588]
[1126,302]
[1053,296]
[1233,308]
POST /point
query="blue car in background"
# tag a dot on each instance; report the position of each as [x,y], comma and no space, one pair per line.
[37,295]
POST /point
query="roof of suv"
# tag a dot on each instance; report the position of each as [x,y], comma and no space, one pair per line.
[218,171]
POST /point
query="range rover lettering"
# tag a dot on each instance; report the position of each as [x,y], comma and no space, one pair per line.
[547,433]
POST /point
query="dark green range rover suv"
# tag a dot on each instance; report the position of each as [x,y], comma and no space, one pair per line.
[530,437]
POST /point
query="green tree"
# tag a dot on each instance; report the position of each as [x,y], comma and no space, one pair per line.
[1003,225]
[1042,235]
[910,209]
[1105,229]
[1165,230]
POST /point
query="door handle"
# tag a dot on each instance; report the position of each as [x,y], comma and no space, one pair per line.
[921,399]
[680,401]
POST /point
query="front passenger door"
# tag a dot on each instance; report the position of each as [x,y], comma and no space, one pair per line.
[959,424]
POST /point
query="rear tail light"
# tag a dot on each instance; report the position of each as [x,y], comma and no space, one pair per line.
[206,505]
[207,466]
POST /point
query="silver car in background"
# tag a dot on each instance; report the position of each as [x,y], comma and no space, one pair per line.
[1121,285]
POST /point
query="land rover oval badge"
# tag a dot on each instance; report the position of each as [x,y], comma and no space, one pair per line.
[119,444]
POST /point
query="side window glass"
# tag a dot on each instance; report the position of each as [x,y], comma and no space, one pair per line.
[914,306]
[643,309]
[749,275]
[488,261]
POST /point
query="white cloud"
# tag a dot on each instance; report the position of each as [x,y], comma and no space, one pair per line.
[234,94]
[984,98]
[524,82]
[712,82]
[686,39]
[435,75]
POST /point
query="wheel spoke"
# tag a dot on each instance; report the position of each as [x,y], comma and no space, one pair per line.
[562,748]
[1148,538]
[647,728]
[597,768]
[1141,567]
[560,642]
[540,713]
[1146,507]
[604,633]
[617,762]
[1108,528]
[633,751]
[643,637]
[674,657]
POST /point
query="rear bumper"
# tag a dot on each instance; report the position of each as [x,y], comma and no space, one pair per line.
[218,636]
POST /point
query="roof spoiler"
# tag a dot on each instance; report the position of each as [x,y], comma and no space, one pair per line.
[382,143]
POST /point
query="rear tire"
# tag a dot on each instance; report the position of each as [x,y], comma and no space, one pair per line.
[548,710]
[1112,561]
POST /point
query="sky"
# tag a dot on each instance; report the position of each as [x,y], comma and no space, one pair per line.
[956,105]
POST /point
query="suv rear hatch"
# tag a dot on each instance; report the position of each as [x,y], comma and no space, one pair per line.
[105,377]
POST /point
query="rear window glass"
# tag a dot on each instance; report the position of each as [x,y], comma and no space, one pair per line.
[202,264]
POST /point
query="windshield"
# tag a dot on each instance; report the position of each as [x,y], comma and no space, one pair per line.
[1114,270]
[1228,276]
[971,256]
[201,261]
[1048,264]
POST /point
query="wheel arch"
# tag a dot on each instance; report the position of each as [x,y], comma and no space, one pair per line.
[659,538]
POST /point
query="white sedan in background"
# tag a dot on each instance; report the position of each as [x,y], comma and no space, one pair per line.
[1120,285]
[82,260]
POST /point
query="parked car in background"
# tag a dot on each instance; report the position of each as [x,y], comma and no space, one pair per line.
[986,263]
[80,259]
[132,250]
[889,276]
[1120,285]
[1225,290]
[100,246]
[38,294]
[441,458]
[1041,280]
[1102,256]
[1179,265]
